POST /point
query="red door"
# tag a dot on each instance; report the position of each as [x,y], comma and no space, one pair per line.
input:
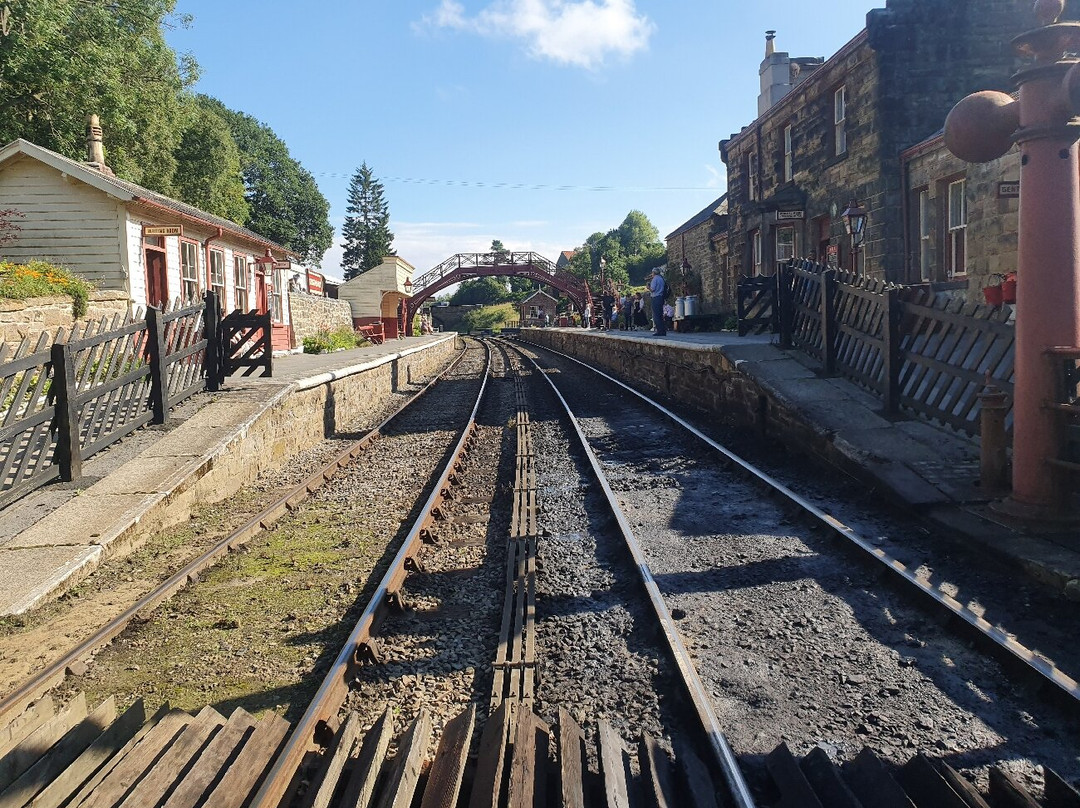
[262,296]
[157,279]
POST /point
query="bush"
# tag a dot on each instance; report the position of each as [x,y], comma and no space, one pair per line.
[330,341]
[493,317]
[42,279]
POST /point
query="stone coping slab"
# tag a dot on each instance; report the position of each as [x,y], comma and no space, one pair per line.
[29,576]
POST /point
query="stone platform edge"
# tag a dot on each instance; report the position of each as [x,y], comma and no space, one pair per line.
[243,433]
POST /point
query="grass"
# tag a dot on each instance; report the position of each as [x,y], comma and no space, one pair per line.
[330,341]
[42,279]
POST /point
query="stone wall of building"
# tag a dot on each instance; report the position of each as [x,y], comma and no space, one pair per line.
[35,316]
[993,221]
[312,314]
[901,76]
[707,277]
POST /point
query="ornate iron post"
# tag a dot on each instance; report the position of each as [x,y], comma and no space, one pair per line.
[1044,123]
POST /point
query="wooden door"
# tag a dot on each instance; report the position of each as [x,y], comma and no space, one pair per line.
[157,279]
[262,293]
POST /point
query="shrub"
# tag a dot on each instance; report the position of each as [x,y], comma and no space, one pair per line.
[493,317]
[329,341]
[42,279]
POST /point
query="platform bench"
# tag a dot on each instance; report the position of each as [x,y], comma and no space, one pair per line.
[373,334]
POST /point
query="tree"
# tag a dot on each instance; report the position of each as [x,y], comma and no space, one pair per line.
[208,167]
[637,233]
[285,203]
[497,246]
[483,291]
[65,59]
[367,225]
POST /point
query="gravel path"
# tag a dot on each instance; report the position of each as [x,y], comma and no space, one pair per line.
[796,642]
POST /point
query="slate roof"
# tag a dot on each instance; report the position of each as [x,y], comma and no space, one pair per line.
[717,207]
[130,192]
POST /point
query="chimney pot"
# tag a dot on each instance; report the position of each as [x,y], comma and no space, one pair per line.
[770,49]
[95,149]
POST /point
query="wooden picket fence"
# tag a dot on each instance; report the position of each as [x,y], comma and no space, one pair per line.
[926,355]
[66,396]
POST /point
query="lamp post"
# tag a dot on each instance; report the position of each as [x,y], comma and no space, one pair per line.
[603,276]
[855,225]
[983,127]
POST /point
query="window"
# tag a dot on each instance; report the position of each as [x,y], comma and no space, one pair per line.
[839,120]
[755,252]
[956,243]
[217,275]
[924,234]
[533,313]
[751,176]
[240,281]
[189,272]
[276,311]
[787,154]
[785,244]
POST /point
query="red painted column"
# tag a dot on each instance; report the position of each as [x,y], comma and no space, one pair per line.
[1048,277]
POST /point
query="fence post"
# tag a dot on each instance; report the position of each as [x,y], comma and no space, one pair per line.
[740,308]
[212,333]
[268,354]
[68,454]
[784,304]
[892,356]
[159,381]
[828,320]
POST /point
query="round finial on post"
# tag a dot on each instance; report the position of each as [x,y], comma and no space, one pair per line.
[1047,12]
[980,127]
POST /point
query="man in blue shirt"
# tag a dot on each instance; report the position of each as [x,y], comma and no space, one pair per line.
[657,289]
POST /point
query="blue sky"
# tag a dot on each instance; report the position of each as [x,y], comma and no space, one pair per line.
[537,122]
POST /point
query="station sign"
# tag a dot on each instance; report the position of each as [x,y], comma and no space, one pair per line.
[283,265]
[315,283]
[790,215]
[163,230]
[1008,190]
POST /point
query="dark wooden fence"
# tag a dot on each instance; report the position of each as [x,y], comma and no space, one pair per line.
[62,403]
[927,355]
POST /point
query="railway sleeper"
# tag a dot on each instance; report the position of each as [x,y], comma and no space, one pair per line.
[72,756]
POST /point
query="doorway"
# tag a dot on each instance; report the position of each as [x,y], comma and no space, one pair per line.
[157,277]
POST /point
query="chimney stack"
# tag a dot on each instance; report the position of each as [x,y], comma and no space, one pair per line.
[95,149]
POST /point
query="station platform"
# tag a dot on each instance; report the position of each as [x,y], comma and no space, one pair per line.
[932,471]
[212,445]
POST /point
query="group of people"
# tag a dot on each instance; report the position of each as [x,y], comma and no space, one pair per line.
[632,311]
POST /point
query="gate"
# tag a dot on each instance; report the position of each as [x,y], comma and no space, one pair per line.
[244,344]
[756,302]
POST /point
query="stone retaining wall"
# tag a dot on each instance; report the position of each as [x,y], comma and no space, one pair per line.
[30,318]
[702,377]
[311,314]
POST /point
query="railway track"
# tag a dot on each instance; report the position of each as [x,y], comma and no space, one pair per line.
[486,557]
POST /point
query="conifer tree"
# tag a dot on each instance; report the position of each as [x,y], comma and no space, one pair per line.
[367,225]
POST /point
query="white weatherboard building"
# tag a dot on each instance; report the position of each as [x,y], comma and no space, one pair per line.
[123,237]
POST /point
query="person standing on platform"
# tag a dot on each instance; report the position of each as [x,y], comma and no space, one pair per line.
[586,316]
[641,313]
[657,289]
[609,306]
[626,306]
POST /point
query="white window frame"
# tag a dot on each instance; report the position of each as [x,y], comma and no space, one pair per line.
[788,154]
[189,273]
[752,175]
[924,234]
[956,214]
[755,252]
[240,282]
[277,310]
[840,121]
[217,275]
[788,248]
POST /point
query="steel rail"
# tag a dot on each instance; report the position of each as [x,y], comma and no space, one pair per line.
[725,760]
[1044,671]
[50,676]
[330,697]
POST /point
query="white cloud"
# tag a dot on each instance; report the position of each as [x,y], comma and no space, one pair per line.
[583,33]
[717,178]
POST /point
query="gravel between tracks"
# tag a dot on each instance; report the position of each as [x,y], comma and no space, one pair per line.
[795,641]
[262,624]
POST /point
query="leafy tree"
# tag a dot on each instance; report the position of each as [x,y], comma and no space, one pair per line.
[367,224]
[628,251]
[285,203]
[637,233]
[208,161]
[497,246]
[485,291]
[64,59]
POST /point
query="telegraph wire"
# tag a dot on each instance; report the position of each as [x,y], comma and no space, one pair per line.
[520,186]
